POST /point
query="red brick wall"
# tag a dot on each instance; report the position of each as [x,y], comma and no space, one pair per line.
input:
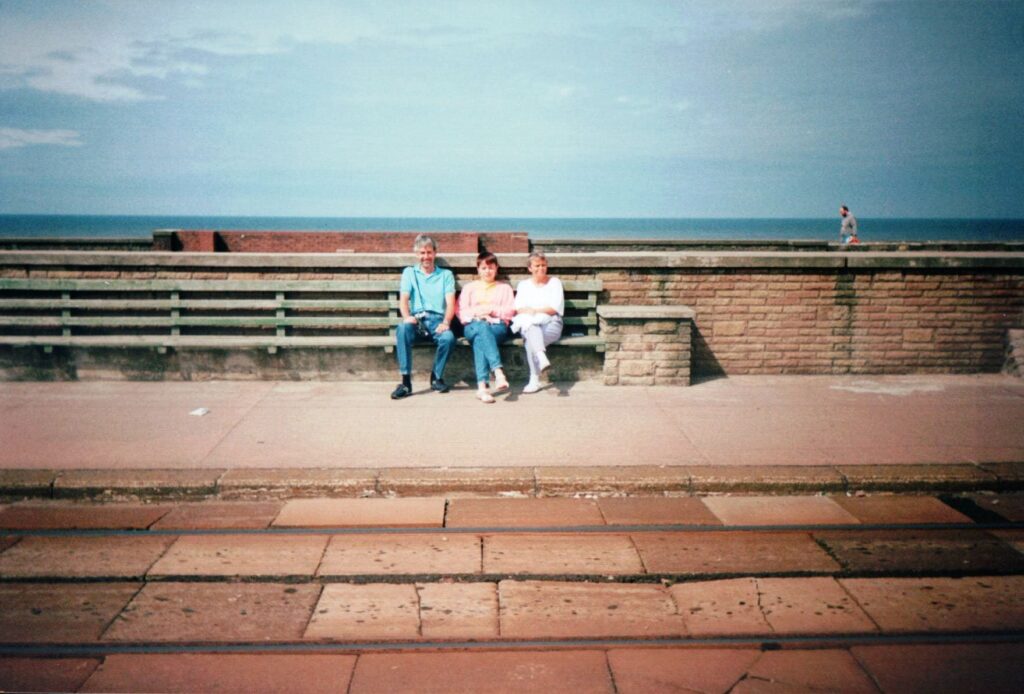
[203,241]
[772,321]
[851,321]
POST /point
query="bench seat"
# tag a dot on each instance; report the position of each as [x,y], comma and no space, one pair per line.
[228,314]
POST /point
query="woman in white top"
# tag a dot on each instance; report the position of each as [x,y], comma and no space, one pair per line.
[540,305]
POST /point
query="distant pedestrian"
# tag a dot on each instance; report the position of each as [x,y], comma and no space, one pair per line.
[848,228]
[540,304]
[426,300]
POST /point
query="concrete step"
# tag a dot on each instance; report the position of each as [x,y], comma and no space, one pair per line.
[101,614]
[147,484]
[721,593]
[890,668]
[608,513]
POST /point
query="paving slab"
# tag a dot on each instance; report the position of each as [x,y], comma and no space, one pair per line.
[287,557]
[921,551]
[269,483]
[1014,538]
[522,513]
[455,481]
[897,477]
[647,670]
[654,510]
[1008,506]
[401,554]
[215,613]
[60,612]
[811,606]
[963,667]
[899,509]
[941,604]
[736,421]
[26,483]
[556,554]
[778,510]
[33,515]
[269,436]
[186,673]
[212,515]
[499,672]
[45,674]
[826,670]
[361,513]
[733,477]
[111,558]
[116,482]
[117,428]
[731,552]
[1011,472]
[459,611]
[551,609]
[366,612]
[720,608]
[638,479]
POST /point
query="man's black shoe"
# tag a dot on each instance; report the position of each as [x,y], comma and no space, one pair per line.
[439,385]
[402,391]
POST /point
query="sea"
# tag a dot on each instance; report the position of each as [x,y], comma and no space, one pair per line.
[803,229]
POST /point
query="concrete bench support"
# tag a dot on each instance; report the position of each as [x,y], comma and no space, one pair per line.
[646,345]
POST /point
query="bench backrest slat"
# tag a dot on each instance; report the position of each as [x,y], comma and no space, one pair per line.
[184,307]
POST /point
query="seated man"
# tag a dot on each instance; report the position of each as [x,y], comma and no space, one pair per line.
[427,304]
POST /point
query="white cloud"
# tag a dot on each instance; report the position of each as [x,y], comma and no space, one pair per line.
[121,51]
[11,138]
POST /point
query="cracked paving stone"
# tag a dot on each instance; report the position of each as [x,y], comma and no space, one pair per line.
[366,612]
[60,612]
[215,612]
[921,551]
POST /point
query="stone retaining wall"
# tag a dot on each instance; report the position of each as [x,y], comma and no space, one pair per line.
[754,313]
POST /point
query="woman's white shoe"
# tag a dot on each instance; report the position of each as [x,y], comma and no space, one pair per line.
[531,387]
[484,396]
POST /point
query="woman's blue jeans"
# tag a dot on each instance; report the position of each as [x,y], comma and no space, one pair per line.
[485,338]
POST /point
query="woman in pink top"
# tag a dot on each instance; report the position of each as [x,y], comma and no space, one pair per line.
[486,307]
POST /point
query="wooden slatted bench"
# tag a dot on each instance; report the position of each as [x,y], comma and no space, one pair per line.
[228,314]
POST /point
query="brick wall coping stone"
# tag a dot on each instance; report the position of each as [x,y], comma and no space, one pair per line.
[652,312]
[651,259]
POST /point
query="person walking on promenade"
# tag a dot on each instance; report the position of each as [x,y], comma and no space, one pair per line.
[848,228]
[540,305]
[426,300]
[486,308]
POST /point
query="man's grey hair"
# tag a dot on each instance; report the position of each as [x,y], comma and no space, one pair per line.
[423,240]
[539,255]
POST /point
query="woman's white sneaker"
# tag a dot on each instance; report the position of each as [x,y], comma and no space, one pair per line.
[531,387]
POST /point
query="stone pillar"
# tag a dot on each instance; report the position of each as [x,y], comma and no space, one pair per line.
[646,345]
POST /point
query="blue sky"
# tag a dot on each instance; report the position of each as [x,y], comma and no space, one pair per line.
[773,108]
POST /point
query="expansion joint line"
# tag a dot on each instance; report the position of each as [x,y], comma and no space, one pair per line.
[419,608]
[760,605]
[857,603]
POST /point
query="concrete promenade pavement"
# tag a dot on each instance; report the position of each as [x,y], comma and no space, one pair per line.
[787,590]
[789,421]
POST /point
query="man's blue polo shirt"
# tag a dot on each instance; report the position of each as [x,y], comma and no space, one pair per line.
[432,288]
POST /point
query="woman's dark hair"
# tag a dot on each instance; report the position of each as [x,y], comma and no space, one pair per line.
[487,257]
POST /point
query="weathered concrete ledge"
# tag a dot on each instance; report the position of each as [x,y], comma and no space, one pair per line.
[651,312]
[272,483]
[650,259]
